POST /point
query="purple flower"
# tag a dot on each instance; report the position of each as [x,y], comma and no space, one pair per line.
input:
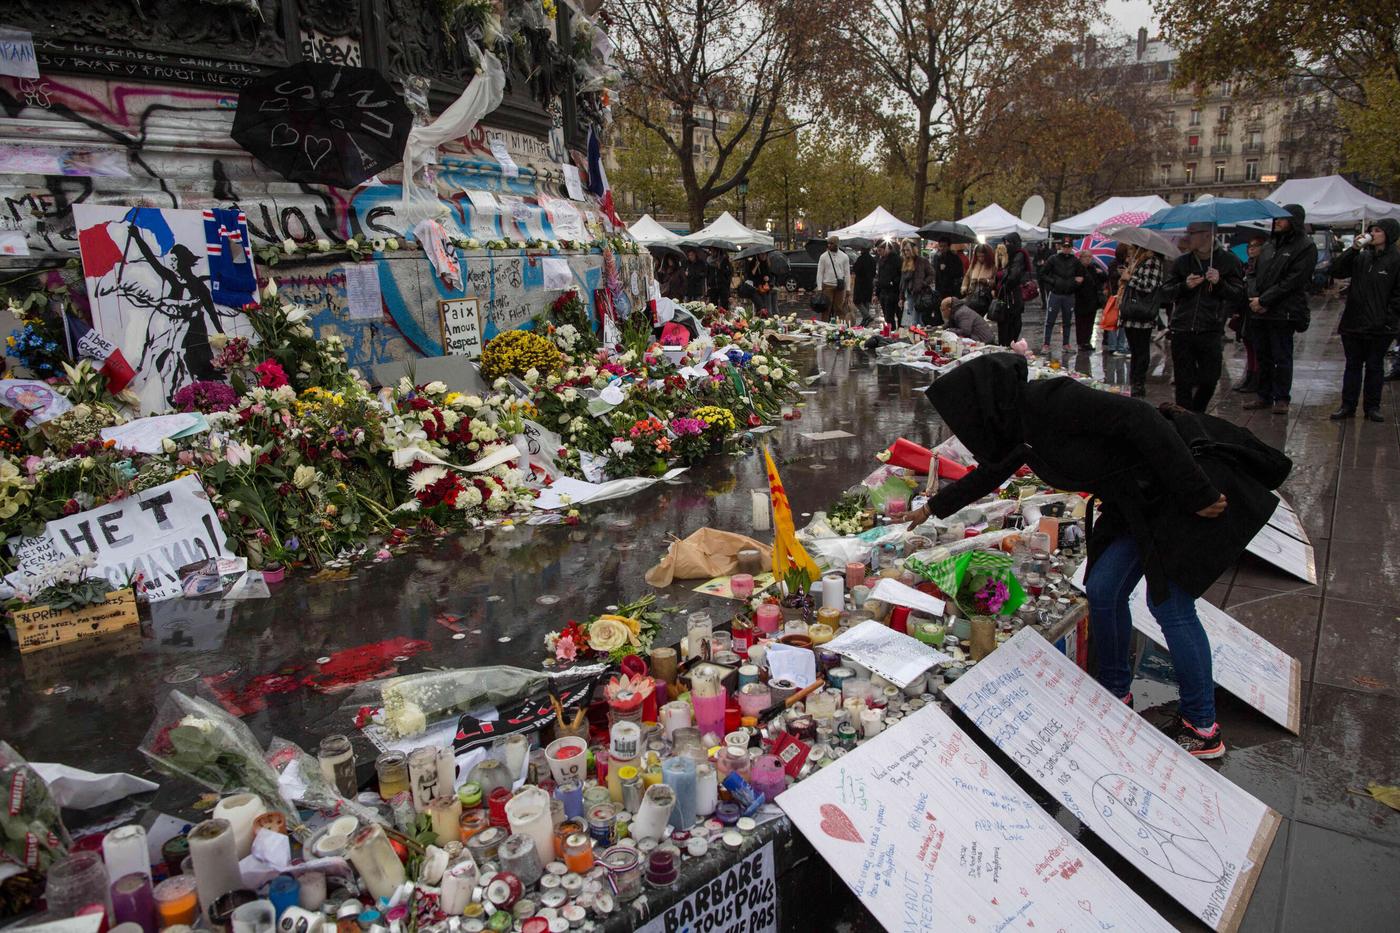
[687,427]
[205,396]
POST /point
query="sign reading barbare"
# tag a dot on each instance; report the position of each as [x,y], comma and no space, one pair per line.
[743,897]
[461,327]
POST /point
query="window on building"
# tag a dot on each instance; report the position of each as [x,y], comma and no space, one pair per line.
[1224,114]
[1256,112]
[1219,171]
[1195,116]
[1255,139]
[1193,142]
[1190,173]
[1164,173]
[1251,170]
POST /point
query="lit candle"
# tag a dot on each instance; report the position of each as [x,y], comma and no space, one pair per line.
[446,816]
[214,852]
[528,813]
[124,851]
[375,860]
[240,810]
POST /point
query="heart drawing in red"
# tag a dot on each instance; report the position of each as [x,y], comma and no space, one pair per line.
[837,825]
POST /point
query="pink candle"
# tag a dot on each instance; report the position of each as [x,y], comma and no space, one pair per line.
[768,617]
[741,585]
[708,697]
[855,574]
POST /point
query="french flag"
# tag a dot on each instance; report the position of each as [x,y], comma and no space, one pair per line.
[87,344]
[598,179]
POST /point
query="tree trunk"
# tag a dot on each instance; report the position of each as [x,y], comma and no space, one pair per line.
[787,215]
[921,165]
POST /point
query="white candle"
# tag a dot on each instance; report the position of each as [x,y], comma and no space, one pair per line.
[833,591]
[870,723]
[675,715]
[214,852]
[447,770]
[240,810]
[457,887]
[254,917]
[528,814]
[650,821]
[761,513]
[124,851]
[423,777]
[706,789]
[517,747]
[313,890]
[376,861]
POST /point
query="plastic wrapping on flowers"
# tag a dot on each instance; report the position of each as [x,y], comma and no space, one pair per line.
[413,701]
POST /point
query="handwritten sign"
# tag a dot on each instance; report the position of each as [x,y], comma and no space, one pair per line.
[1285,552]
[17,53]
[747,901]
[483,200]
[894,656]
[930,834]
[43,627]
[557,276]
[1181,823]
[41,400]
[145,435]
[364,300]
[1286,520]
[572,183]
[154,533]
[502,155]
[461,327]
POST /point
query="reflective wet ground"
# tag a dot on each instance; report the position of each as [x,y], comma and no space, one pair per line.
[1333,864]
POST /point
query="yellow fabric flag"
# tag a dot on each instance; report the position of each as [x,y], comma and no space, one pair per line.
[788,552]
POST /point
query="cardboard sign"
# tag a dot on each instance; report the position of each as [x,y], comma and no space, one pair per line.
[1176,819]
[930,834]
[154,533]
[43,627]
[461,326]
[894,656]
[747,900]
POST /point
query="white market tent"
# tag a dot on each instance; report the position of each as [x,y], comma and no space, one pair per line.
[996,221]
[1090,220]
[726,227]
[876,225]
[647,231]
[1331,199]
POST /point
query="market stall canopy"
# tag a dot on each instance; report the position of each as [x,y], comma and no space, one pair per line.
[1223,212]
[1090,220]
[1331,199]
[995,221]
[877,225]
[647,231]
[726,227]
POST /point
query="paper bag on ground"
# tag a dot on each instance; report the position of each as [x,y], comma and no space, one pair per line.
[706,554]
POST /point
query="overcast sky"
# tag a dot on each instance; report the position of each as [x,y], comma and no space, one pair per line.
[1131,14]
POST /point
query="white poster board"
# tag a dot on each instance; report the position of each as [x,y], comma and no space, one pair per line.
[897,657]
[747,901]
[1286,520]
[572,183]
[931,835]
[895,593]
[154,533]
[1192,831]
[1285,552]
[461,326]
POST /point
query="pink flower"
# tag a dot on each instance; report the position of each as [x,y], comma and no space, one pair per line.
[271,375]
[565,649]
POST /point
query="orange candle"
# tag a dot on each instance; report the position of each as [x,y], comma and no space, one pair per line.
[578,853]
[177,901]
[473,822]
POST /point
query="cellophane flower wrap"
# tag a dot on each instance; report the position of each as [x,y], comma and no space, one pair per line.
[31,827]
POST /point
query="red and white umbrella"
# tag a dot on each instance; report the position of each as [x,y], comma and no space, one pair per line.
[1102,247]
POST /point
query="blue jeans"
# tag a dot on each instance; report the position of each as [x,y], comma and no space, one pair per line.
[1109,583]
[1116,339]
[1063,306]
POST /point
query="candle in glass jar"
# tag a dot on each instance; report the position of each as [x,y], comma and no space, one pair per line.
[741,585]
[337,759]
[311,891]
[423,776]
[707,695]
[769,618]
[706,790]
[240,810]
[750,561]
[699,627]
[214,852]
[754,698]
[376,861]
[663,664]
[392,768]
[446,816]
[679,774]
[76,884]
[124,851]
[133,901]
[528,814]
[177,901]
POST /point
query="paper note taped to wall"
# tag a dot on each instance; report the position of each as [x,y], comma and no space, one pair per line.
[557,276]
[17,57]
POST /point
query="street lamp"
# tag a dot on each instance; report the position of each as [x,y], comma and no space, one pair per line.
[744,201]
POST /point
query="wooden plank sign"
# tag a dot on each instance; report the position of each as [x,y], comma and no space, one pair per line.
[42,627]
[1176,819]
[930,834]
[1285,552]
[461,326]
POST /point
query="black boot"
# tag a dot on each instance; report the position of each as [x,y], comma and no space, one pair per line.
[1342,414]
[1374,415]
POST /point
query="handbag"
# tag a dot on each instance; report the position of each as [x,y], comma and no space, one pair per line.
[925,302]
[996,311]
[1029,289]
[1110,314]
[1137,308]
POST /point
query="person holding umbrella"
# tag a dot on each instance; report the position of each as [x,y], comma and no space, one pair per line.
[697,274]
[1278,305]
[1204,284]
[1371,319]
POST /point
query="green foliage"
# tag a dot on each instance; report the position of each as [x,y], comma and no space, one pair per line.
[1372,139]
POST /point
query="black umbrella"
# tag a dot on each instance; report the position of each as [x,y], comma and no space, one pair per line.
[666,248]
[716,243]
[748,251]
[323,124]
[948,230]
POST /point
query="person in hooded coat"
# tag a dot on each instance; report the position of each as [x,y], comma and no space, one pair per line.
[1371,319]
[1182,495]
[1278,305]
[1017,271]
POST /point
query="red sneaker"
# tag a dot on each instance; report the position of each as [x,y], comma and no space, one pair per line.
[1206,744]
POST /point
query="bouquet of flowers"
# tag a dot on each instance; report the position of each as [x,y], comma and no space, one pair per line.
[629,630]
[640,449]
[31,827]
[516,352]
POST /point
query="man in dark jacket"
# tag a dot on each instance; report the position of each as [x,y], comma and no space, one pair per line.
[697,275]
[1063,276]
[1278,305]
[1371,319]
[1205,284]
[887,274]
[947,272]
[863,271]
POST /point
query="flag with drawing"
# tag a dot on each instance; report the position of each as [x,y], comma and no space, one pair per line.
[788,552]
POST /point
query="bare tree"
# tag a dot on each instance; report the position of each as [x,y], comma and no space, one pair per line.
[715,79]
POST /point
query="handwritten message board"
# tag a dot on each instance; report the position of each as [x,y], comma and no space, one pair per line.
[461,327]
[743,897]
[932,835]
[1198,836]
[154,533]
[1284,551]
[893,655]
[43,627]
[1246,664]
[1285,519]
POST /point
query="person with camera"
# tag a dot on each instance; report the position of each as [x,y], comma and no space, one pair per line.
[1371,318]
[1204,284]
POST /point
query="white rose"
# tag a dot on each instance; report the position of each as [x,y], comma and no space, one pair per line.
[532,376]
[167,445]
[392,242]
[304,476]
[352,243]
[289,246]
[435,388]
[474,401]
[323,245]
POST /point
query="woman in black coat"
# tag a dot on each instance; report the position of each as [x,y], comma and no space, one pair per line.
[1088,298]
[1017,272]
[1371,319]
[697,275]
[1182,495]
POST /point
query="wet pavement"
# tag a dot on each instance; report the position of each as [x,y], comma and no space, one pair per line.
[1332,865]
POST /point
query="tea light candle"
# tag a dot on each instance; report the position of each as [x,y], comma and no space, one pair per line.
[760,507]
[376,861]
[177,901]
[240,810]
[768,617]
[124,851]
[741,585]
[528,814]
[214,852]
